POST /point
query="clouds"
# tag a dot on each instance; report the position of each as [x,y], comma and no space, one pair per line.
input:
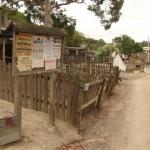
[134,22]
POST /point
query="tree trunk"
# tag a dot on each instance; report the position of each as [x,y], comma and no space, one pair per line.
[48,11]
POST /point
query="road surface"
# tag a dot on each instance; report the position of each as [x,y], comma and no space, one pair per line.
[125,118]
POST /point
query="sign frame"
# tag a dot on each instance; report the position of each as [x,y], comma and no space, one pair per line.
[35,70]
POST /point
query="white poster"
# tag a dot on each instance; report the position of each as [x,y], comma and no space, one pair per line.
[37,63]
[50,63]
[24,63]
[48,47]
[57,50]
[57,47]
[37,52]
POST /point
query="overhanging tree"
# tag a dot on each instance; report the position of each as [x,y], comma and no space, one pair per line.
[107,10]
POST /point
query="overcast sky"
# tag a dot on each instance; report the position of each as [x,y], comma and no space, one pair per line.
[135,21]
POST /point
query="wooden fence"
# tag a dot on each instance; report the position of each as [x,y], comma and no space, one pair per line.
[95,70]
[74,94]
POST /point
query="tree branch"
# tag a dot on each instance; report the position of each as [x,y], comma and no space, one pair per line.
[14,2]
[67,3]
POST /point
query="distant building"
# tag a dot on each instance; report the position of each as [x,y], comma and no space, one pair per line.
[147,54]
[75,52]
[78,53]
[136,62]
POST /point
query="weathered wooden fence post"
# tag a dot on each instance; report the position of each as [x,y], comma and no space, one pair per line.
[18,99]
[79,105]
[101,93]
[51,108]
[75,97]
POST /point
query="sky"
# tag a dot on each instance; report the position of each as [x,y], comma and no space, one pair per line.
[135,21]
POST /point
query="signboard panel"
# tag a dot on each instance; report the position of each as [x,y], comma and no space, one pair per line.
[57,47]
[37,52]
[50,63]
[24,63]
[48,47]
[24,52]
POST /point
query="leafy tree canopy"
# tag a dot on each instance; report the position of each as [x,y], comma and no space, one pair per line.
[94,44]
[127,45]
[106,50]
[14,15]
[109,11]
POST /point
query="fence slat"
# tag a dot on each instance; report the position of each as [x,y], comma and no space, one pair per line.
[45,102]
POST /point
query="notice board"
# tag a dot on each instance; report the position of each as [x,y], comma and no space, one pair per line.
[37,52]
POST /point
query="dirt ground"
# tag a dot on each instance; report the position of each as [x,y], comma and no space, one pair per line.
[123,122]
[36,133]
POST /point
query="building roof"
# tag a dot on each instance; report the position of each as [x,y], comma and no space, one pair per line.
[35,29]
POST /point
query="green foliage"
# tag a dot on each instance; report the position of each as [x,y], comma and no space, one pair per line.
[102,52]
[137,48]
[67,23]
[13,15]
[78,39]
[106,50]
[93,44]
[109,11]
[127,45]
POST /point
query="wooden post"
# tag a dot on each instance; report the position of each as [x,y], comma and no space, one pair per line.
[51,108]
[75,100]
[4,42]
[101,93]
[80,103]
[14,55]
[17,99]
[62,54]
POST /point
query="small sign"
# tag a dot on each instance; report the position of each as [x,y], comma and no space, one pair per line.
[37,63]
[86,87]
[37,52]
[57,50]
[24,63]
[50,63]
[57,47]
[48,47]
[24,43]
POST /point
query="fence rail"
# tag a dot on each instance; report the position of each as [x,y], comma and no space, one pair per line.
[76,90]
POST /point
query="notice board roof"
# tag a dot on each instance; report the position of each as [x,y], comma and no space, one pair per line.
[35,29]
